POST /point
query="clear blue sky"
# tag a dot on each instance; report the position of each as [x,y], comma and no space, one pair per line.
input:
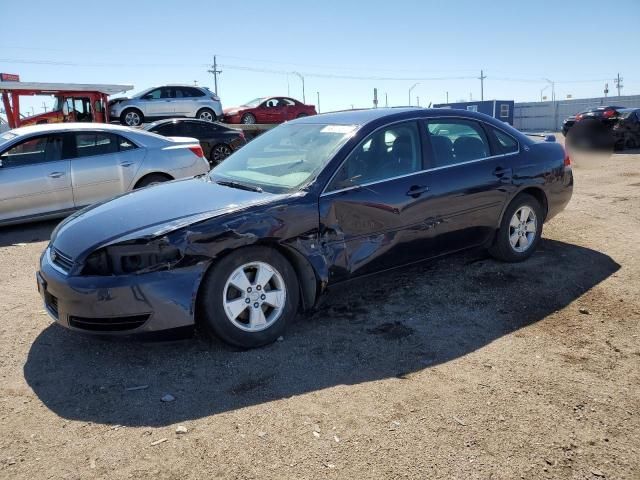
[579,44]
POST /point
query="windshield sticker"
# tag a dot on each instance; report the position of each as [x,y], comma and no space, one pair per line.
[338,129]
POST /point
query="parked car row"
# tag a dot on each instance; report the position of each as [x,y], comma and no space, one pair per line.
[188,101]
[617,126]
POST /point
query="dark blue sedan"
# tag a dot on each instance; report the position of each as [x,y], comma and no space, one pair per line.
[306,206]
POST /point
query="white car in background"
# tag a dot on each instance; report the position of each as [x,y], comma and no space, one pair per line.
[48,171]
[168,101]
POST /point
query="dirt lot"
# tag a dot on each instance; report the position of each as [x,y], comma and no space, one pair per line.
[461,368]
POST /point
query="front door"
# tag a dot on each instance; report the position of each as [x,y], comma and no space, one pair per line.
[104,165]
[158,103]
[35,178]
[372,213]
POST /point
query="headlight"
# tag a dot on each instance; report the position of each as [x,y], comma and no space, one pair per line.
[128,258]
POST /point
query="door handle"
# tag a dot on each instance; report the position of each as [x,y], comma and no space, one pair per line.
[126,164]
[501,172]
[56,174]
[416,190]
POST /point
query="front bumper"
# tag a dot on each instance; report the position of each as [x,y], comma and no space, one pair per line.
[126,304]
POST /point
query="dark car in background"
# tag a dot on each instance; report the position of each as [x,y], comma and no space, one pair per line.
[305,206]
[567,124]
[626,131]
[217,141]
[268,110]
[607,115]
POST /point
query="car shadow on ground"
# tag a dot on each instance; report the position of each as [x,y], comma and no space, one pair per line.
[28,233]
[381,327]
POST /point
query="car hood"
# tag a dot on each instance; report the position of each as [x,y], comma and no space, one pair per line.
[151,212]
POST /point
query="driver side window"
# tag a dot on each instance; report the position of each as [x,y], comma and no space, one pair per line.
[387,153]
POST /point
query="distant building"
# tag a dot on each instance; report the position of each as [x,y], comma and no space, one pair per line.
[500,109]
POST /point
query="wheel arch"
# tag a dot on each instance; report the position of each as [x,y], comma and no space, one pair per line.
[536,192]
[150,174]
[306,275]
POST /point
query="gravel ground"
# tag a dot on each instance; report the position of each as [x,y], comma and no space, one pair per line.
[462,368]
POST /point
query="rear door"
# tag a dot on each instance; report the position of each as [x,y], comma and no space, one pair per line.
[469,181]
[35,177]
[184,102]
[104,165]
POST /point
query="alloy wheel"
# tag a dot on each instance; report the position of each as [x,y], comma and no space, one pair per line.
[132,119]
[522,229]
[220,152]
[254,296]
[206,116]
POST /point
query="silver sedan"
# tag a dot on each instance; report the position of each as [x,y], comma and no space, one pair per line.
[48,171]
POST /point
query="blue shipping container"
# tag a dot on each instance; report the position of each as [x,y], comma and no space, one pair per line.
[500,109]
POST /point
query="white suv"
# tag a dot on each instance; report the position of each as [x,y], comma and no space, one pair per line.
[166,102]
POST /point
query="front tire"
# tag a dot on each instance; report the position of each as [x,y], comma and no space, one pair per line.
[248,119]
[132,117]
[249,297]
[520,230]
[206,114]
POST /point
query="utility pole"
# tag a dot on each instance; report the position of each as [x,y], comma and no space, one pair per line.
[216,72]
[447,97]
[318,93]
[418,100]
[618,82]
[299,75]
[412,87]
[481,78]
[44,107]
[288,90]
[375,98]
[606,89]
[386,100]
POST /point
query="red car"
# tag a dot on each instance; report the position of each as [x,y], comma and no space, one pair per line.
[268,110]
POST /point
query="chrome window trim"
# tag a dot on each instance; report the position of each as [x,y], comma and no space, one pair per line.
[324,193]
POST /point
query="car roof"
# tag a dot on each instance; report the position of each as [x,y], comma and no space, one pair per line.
[69,127]
[356,117]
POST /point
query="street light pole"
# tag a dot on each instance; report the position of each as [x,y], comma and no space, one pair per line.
[553,101]
[299,75]
[411,89]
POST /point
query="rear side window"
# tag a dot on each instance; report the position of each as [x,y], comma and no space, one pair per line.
[92,144]
[124,144]
[507,143]
[456,141]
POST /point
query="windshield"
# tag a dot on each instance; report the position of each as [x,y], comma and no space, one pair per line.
[285,158]
[254,103]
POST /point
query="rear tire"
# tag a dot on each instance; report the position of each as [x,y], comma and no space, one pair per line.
[520,230]
[206,114]
[248,298]
[151,179]
[218,153]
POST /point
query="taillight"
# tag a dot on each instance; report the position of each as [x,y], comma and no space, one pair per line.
[567,159]
[215,98]
[197,151]
[242,135]
[609,113]
[579,117]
